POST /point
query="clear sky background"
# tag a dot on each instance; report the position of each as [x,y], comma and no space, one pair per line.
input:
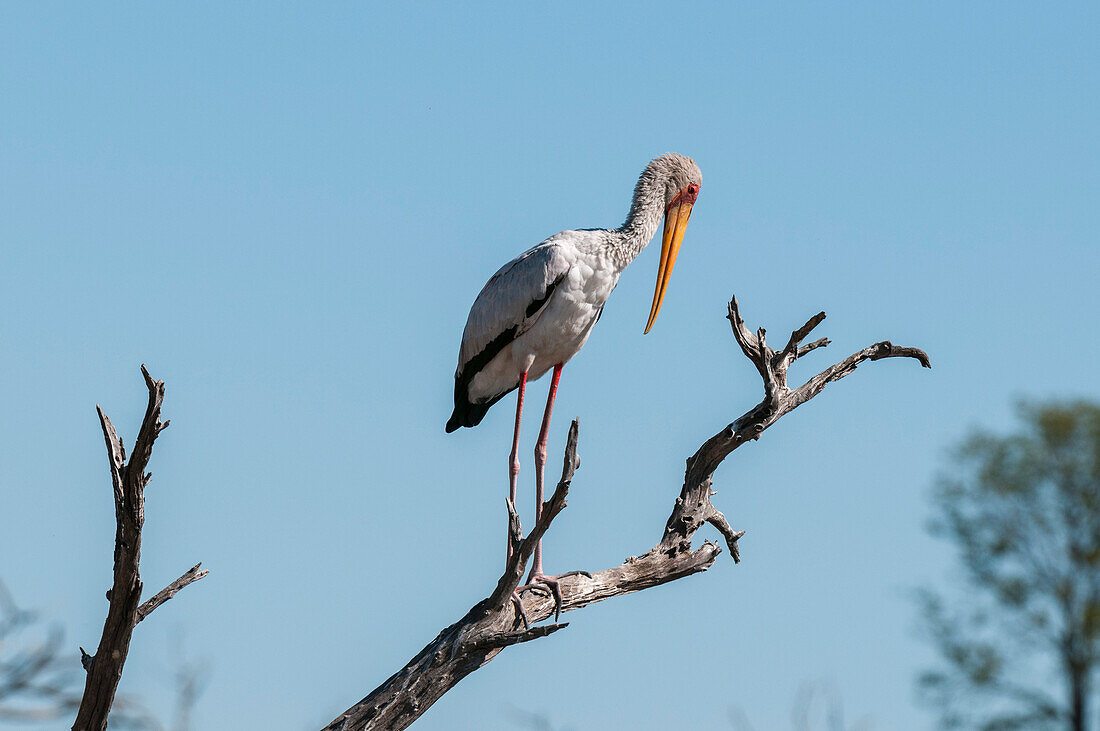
[286,211]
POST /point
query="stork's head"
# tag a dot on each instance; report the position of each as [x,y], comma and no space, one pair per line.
[682,182]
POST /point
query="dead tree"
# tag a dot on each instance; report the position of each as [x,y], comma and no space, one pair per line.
[495,623]
[104,668]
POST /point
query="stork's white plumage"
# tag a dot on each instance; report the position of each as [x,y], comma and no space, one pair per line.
[538,310]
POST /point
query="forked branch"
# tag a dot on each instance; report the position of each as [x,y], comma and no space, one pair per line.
[497,622]
[129,480]
[693,507]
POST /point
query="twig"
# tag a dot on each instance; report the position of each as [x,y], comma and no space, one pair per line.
[192,575]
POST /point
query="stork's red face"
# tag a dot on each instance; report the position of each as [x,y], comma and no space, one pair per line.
[676,221]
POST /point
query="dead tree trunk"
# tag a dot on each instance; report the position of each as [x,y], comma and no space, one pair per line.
[495,623]
[104,668]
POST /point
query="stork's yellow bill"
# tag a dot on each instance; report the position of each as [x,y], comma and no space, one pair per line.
[676,221]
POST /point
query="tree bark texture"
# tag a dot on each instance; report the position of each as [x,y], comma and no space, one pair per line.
[129,480]
[499,621]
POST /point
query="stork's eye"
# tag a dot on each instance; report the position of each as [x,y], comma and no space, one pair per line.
[693,189]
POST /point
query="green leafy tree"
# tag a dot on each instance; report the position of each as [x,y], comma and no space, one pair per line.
[1019,645]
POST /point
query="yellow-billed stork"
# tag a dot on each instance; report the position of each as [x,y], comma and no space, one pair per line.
[538,310]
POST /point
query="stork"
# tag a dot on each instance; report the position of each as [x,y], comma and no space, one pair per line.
[538,310]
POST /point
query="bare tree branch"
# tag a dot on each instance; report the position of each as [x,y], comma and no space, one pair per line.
[192,575]
[498,621]
[129,481]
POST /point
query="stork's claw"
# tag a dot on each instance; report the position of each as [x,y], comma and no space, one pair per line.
[518,604]
[542,582]
[585,574]
[539,588]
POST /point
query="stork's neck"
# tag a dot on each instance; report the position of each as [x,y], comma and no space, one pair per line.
[644,218]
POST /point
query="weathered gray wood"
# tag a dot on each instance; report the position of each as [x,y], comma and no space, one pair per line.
[693,507]
[192,575]
[496,622]
[129,480]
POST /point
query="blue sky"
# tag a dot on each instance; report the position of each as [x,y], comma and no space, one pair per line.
[286,211]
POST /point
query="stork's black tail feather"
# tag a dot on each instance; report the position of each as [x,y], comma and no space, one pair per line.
[467,414]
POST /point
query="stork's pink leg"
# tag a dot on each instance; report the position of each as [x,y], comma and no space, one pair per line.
[540,465]
[513,459]
[513,479]
[537,578]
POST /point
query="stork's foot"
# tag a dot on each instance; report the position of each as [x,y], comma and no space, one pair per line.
[520,614]
[549,586]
